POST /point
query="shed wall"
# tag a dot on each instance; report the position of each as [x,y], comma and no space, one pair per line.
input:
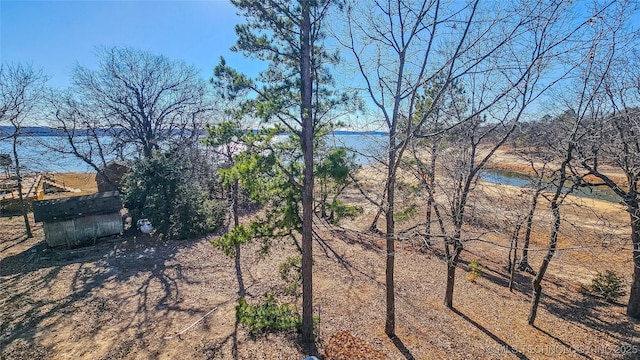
[82,231]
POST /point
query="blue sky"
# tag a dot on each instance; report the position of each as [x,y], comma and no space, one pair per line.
[55,35]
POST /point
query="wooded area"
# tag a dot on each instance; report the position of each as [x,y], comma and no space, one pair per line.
[546,90]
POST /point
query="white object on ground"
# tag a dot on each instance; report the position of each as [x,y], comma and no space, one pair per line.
[145,226]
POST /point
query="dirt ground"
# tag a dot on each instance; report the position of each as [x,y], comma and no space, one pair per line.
[135,297]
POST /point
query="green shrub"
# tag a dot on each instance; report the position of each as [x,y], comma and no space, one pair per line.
[333,173]
[291,273]
[407,214]
[340,210]
[475,270]
[164,190]
[268,316]
[608,285]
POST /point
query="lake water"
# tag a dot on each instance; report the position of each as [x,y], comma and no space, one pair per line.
[35,155]
[367,146]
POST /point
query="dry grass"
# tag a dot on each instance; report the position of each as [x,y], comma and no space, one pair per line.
[86,182]
[344,346]
[138,298]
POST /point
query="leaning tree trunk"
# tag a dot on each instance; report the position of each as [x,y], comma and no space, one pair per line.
[374,224]
[23,204]
[524,262]
[537,281]
[633,307]
[512,262]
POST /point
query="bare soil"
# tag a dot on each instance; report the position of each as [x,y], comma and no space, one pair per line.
[135,297]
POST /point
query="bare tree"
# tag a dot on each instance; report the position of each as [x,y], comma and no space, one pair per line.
[392,43]
[433,137]
[82,136]
[463,165]
[399,46]
[134,103]
[539,153]
[583,104]
[21,90]
[613,141]
[559,180]
[538,184]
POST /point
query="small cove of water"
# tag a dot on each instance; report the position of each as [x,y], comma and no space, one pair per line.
[519,180]
[502,178]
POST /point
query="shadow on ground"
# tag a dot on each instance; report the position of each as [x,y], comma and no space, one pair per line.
[96,300]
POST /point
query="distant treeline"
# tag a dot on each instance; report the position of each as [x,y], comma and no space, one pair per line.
[48,131]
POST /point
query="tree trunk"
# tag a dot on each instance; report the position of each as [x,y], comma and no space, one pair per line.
[431,190]
[236,222]
[451,279]
[537,281]
[390,323]
[234,202]
[323,202]
[307,182]
[633,307]
[23,204]
[374,224]
[427,227]
[512,263]
[524,262]
[537,292]
[241,288]
[452,263]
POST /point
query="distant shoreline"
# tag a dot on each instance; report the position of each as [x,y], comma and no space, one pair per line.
[34,153]
[48,131]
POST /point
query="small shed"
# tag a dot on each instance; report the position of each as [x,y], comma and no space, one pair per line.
[79,220]
[114,170]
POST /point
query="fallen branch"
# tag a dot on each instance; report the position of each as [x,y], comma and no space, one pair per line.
[192,325]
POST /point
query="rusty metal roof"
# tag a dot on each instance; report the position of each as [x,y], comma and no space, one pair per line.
[76,206]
